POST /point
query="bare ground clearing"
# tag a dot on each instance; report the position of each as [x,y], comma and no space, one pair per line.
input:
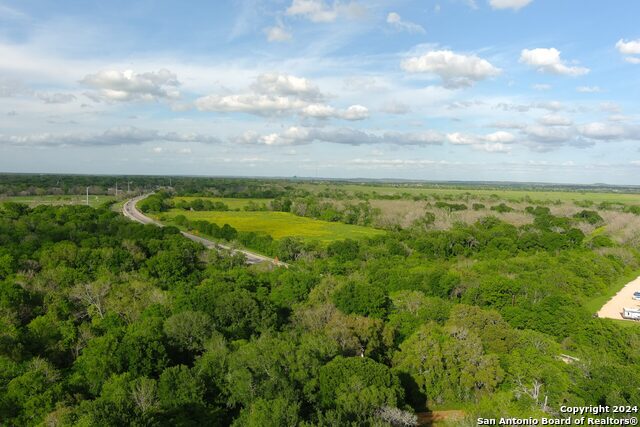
[613,308]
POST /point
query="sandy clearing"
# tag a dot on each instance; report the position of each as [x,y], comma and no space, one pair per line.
[613,308]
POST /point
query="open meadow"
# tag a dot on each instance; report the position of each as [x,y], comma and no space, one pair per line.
[57,200]
[475,191]
[280,224]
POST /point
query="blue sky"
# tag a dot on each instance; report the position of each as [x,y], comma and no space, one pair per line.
[519,90]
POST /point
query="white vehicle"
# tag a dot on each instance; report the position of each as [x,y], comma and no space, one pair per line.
[631,313]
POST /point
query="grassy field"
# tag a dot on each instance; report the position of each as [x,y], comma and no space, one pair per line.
[515,195]
[231,202]
[281,224]
[32,201]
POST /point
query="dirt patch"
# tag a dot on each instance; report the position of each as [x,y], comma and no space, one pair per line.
[432,418]
[613,308]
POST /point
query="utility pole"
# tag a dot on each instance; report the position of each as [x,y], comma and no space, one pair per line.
[128,187]
[87,196]
[116,189]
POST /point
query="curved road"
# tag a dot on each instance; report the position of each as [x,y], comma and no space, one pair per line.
[130,210]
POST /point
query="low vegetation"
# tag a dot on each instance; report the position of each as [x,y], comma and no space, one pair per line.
[109,322]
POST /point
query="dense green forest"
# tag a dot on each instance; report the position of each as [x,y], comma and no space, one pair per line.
[109,322]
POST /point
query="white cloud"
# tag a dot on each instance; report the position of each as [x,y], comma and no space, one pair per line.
[631,47]
[319,111]
[588,89]
[392,163]
[345,136]
[287,85]
[458,138]
[541,86]
[113,85]
[456,70]
[549,134]
[323,111]
[500,137]
[495,142]
[356,112]
[320,11]
[250,103]
[278,94]
[555,120]
[605,131]
[548,60]
[115,136]
[396,21]
[56,98]
[509,4]
[277,34]
[492,148]
[632,59]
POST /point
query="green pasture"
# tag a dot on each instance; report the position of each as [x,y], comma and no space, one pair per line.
[32,201]
[280,224]
[233,203]
[486,193]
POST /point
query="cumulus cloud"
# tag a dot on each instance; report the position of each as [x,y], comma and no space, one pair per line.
[396,21]
[113,85]
[549,134]
[323,111]
[607,131]
[493,142]
[277,34]
[500,137]
[548,60]
[250,103]
[631,47]
[455,70]
[553,132]
[306,135]
[509,4]
[279,94]
[356,112]
[320,11]
[287,85]
[115,136]
[56,98]
[496,142]
[394,163]
[319,111]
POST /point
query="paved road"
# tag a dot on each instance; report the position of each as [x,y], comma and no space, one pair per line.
[623,299]
[130,211]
